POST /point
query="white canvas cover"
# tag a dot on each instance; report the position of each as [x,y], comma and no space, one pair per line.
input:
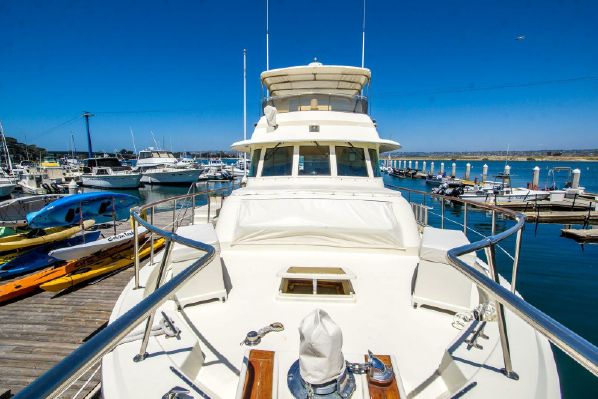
[320,350]
[324,222]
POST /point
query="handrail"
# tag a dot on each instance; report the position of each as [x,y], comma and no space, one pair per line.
[575,346]
[63,374]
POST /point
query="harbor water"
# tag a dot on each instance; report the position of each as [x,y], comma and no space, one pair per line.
[557,275]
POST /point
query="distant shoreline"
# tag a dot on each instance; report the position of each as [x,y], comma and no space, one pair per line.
[496,158]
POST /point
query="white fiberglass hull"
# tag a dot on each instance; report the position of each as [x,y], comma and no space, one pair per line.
[6,189]
[517,197]
[112,181]
[171,176]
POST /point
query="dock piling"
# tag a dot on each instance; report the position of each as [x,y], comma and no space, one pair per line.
[575,179]
[484,172]
[442,168]
[454,170]
[432,167]
[467,170]
[536,178]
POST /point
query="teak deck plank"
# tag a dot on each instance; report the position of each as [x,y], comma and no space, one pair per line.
[260,374]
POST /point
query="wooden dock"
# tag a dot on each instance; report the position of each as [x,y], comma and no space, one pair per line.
[581,235]
[564,217]
[40,330]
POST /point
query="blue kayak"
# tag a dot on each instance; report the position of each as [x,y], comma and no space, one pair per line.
[97,206]
[38,258]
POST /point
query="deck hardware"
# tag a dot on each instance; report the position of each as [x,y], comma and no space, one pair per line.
[253,338]
[478,333]
[176,332]
[339,388]
[378,372]
[177,393]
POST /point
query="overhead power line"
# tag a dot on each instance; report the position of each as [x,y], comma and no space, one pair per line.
[473,88]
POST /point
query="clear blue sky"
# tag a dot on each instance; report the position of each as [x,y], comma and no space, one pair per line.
[175,68]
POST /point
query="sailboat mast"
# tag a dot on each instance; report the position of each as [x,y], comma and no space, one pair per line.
[9,163]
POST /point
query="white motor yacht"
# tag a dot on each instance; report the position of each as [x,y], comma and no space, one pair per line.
[169,176]
[314,280]
[161,167]
[107,172]
[316,263]
[501,191]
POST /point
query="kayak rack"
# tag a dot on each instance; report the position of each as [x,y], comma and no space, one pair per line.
[56,380]
[63,374]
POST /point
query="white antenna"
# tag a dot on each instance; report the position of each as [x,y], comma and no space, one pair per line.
[363,38]
[244,109]
[133,139]
[267,36]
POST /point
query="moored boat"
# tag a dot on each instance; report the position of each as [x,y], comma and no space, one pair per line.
[108,173]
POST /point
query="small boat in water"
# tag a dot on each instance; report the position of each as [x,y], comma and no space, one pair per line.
[170,176]
[109,173]
[500,191]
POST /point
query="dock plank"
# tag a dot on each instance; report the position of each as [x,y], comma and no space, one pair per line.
[41,329]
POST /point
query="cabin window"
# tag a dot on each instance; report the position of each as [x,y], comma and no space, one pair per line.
[144,155]
[375,162]
[350,161]
[255,160]
[311,281]
[314,160]
[278,161]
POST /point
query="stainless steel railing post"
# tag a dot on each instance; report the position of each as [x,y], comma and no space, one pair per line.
[136,250]
[442,213]
[493,227]
[516,258]
[193,205]
[150,320]
[465,219]
[152,236]
[174,216]
[500,314]
[209,205]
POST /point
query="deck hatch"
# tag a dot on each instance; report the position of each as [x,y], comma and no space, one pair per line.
[300,281]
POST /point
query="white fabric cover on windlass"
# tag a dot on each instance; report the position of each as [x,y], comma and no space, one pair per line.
[436,243]
[320,350]
[325,222]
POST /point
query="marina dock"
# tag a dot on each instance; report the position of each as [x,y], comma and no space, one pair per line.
[581,235]
[40,330]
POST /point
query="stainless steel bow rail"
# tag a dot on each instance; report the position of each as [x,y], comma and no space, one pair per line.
[56,380]
[53,382]
[576,347]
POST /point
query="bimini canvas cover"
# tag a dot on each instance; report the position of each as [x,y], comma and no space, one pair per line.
[323,222]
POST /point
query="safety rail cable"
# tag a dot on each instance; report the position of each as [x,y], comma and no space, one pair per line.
[473,231]
[575,346]
[52,382]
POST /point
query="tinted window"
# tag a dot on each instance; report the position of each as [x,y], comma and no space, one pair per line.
[375,162]
[255,160]
[350,161]
[314,161]
[278,161]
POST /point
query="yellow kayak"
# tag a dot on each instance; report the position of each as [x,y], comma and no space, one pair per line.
[92,270]
[20,241]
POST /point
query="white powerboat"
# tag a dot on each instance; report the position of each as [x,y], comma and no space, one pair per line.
[152,158]
[170,176]
[107,172]
[500,191]
[310,265]
[282,289]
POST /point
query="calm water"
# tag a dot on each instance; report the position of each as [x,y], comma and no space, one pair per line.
[557,275]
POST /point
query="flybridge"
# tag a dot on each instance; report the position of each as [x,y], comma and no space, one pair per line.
[316,87]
